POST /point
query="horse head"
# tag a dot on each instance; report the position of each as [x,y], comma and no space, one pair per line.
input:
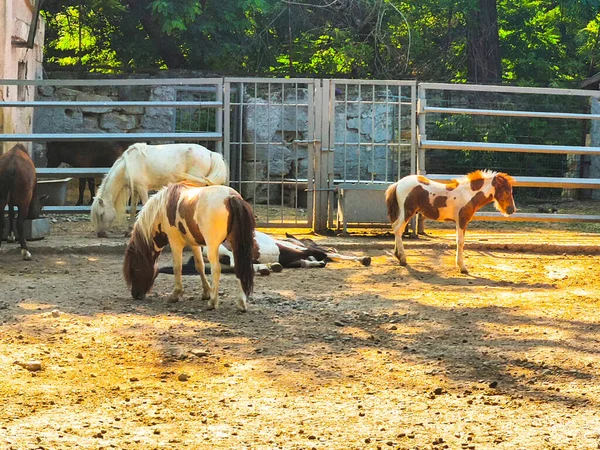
[103,215]
[36,205]
[503,194]
[140,268]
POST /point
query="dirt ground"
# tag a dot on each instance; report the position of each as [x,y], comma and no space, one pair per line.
[346,357]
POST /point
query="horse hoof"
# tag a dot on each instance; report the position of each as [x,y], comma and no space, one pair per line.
[26,255]
[11,239]
[464,271]
[403,263]
[276,267]
[264,271]
[366,261]
[205,296]
[173,298]
[102,234]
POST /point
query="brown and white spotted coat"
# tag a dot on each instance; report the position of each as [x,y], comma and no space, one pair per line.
[456,201]
[186,215]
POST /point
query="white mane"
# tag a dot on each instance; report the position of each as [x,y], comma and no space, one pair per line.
[152,211]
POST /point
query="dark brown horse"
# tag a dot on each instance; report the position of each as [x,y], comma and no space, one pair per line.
[18,188]
[84,154]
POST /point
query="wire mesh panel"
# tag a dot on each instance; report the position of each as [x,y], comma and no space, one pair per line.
[268,124]
[374,138]
[199,119]
[507,129]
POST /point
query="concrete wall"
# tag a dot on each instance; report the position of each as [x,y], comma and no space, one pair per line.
[18,62]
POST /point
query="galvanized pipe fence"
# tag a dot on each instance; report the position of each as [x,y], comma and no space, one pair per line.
[306,152]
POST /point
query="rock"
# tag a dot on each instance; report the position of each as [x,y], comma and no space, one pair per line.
[32,366]
[183,377]
[55,313]
[200,353]
[88,97]
[493,384]
[438,391]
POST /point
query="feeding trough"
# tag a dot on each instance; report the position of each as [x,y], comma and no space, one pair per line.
[55,189]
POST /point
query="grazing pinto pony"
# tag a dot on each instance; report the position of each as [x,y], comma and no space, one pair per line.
[18,182]
[84,154]
[145,167]
[184,215]
[276,254]
[456,202]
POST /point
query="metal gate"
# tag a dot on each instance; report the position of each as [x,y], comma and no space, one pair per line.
[293,145]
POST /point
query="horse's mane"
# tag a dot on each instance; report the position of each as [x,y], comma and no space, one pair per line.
[121,193]
[152,210]
[481,175]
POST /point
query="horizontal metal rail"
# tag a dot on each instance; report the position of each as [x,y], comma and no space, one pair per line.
[81,172]
[201,136]
[501,147]
[115,82]
[103,104]
[509,113]
[508,89]
[535,217]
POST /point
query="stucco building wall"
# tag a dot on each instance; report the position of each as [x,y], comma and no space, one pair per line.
[18,62]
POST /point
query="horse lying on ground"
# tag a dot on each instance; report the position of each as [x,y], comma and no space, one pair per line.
[84,154]
[18,187]
[456,202]
[183,215]
[145,167]
[276,254]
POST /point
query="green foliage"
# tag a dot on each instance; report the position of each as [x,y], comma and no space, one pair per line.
[542,42]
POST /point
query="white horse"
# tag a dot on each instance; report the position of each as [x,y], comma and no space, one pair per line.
[144,167]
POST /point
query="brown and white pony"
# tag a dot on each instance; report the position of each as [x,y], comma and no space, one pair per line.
[456,201]
[18,182]
[274,255]
[185,215]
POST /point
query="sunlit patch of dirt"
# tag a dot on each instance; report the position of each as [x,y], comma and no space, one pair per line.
[346,357]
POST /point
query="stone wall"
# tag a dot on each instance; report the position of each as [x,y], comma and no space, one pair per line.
[102,119]
[270,127]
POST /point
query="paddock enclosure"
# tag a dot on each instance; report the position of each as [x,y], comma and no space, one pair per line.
[345,357]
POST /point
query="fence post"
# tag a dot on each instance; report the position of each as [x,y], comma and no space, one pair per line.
[320,208]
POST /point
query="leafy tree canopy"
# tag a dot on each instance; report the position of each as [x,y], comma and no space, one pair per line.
[539,42]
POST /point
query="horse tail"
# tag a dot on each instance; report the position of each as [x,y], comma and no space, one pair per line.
[219,171]
[240,234]
[391,200]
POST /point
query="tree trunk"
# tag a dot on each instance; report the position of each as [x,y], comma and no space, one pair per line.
[166,47]
[483,44]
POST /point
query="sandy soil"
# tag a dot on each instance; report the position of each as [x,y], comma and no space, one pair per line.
[346,357]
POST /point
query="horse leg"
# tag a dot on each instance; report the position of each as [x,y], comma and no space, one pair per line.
[2,205]
[92,187]
[11,223]
[398,228]
[215,268]
[20,222]
[81,190]
[133,208]
[460,243]
[199,261]
[177,253]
